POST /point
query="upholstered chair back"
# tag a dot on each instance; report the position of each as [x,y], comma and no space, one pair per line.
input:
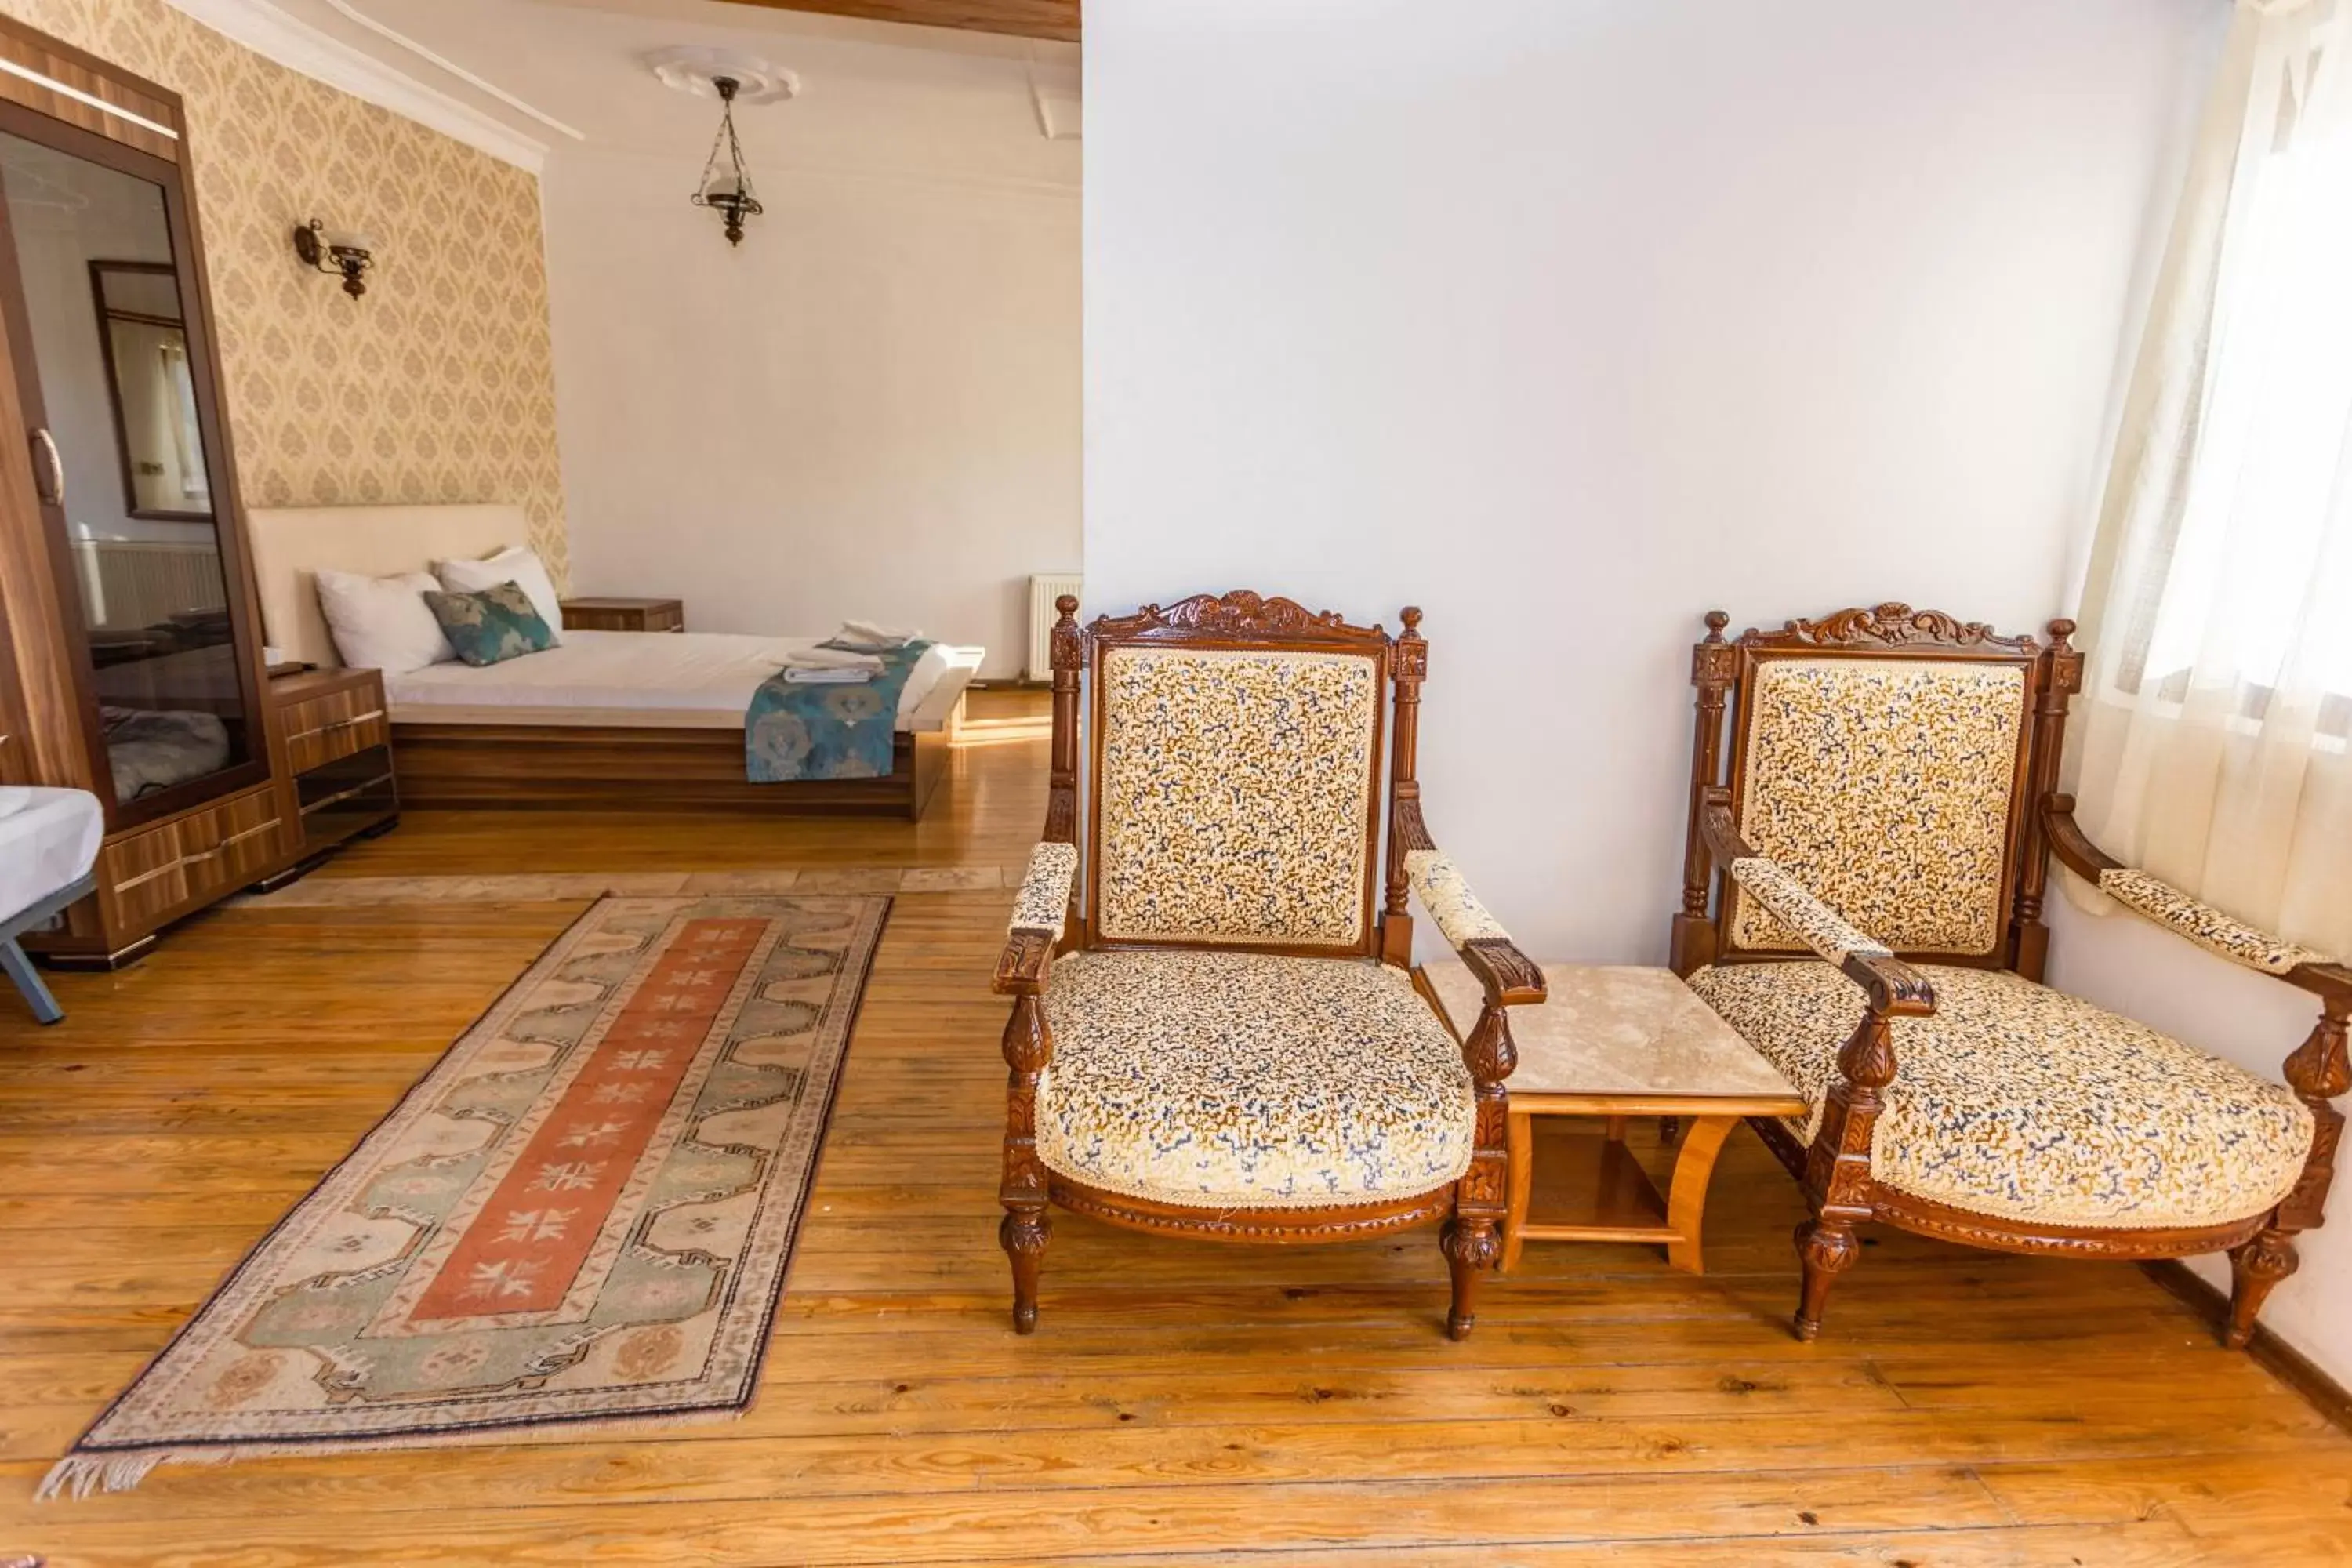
[1882,758]
[1235,777]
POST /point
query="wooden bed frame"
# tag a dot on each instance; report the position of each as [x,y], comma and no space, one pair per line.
[586,768]
[582,767]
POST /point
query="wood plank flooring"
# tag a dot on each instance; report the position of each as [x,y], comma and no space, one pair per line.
[1180,1404]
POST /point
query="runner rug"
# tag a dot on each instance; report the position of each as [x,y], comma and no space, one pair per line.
[581,1215]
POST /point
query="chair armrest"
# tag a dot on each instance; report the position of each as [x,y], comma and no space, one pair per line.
[1895,989]
[2202,923]
[2155,900]
[1794,905]
[1510,977]
[1039,912]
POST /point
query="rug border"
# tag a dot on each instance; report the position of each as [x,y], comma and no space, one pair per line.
[222,1449]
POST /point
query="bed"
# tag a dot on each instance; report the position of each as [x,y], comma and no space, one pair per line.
[48,842]
[607,721]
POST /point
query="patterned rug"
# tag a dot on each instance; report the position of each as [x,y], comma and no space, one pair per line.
[582,1213]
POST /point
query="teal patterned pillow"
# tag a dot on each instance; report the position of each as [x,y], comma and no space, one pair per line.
[492,625]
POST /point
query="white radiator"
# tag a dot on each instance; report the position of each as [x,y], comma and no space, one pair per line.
[1043,590]
[127,583]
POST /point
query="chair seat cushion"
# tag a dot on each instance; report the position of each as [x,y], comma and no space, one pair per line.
[1237,1080]
[2024,1104]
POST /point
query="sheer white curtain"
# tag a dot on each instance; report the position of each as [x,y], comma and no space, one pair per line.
[2209,743]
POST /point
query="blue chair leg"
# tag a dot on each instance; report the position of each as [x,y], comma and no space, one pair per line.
[28,982]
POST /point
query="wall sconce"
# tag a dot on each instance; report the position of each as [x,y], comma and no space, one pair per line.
[349,254]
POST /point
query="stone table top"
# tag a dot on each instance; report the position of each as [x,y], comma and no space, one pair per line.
[1622,1032]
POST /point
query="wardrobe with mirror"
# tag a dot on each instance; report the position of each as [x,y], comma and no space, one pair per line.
[130,616]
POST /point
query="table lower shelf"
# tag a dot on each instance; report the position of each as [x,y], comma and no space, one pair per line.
[1587,1186]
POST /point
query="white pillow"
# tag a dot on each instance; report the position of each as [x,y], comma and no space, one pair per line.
[516,563]
[383,623]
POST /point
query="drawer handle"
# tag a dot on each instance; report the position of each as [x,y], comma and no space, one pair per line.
[350,723]
[231,842]
[346,794]
[146,876]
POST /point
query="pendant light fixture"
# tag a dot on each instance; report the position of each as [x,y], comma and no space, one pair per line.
[728,188]
[734,79]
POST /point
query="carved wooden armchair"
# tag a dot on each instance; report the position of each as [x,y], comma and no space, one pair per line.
[1878,840]
[1213,1035]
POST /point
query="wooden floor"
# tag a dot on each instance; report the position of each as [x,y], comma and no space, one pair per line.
[1180,1404]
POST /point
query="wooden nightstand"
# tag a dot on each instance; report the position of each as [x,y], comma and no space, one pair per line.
[338,739]
[605,614]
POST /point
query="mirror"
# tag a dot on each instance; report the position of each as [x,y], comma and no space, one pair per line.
[153,388]
[119,421]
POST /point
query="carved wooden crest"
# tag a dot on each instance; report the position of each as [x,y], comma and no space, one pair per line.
[1240,614]
[1892,625]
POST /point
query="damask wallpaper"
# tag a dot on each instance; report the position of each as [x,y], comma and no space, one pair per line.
[438,385]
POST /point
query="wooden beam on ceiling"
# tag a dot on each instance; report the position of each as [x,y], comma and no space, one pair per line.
[1021,18]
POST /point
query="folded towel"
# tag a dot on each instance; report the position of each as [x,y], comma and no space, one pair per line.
[796,676]
[865,637]
[832,658]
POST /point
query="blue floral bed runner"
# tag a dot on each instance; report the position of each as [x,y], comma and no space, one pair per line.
[796,730]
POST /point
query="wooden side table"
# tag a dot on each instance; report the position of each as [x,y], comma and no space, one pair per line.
[338,738]
[1610,1044]
[612,615]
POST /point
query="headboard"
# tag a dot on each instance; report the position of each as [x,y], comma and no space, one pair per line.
[291,544]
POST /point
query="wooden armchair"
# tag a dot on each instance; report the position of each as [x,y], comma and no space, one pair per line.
[1877,844]
[1213,1034]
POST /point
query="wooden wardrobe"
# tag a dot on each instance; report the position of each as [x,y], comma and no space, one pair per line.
[131,662]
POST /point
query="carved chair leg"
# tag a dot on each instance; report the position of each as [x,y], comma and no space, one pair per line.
[1023,1235]
[2254,1269]
[1827,1248]
[1470,1246]
[2318,1072]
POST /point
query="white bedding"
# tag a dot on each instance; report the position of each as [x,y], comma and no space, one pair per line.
[49,840]
[683,679]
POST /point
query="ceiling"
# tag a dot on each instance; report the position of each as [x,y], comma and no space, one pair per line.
[1022,18]
[876,97]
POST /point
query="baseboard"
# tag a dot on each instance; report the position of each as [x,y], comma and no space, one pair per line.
[2268,1352]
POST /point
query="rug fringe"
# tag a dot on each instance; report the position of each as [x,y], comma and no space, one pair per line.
[86,1475]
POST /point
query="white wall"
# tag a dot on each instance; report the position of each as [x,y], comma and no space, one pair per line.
[1568,320]
[871,409]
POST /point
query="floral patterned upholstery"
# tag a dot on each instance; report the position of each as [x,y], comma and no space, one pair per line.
[1236,795]
[1883,785]
[1045,898]
[1449,901]
[1231,1078]
[2203,924]
[1793,905]
[2024,1104]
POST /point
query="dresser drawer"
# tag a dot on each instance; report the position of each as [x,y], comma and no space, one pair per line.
[147,878]
[139,878]
[335,725]
[224,847]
